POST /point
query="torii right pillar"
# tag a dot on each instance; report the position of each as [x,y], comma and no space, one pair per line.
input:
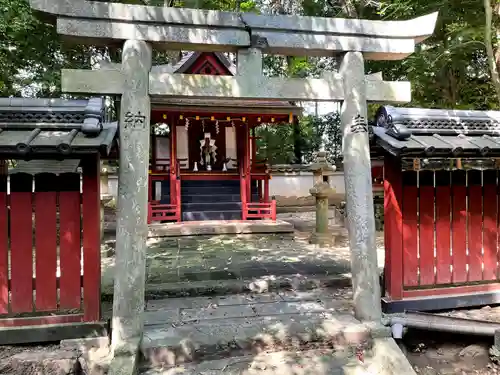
[358,188]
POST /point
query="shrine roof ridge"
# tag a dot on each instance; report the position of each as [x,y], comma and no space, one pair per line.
[43,104]
[54,127]
[440,121]
[437,132]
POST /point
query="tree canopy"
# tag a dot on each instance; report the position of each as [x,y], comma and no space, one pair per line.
[451,69]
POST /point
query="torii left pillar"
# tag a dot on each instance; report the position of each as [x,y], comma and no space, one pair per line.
[131,231]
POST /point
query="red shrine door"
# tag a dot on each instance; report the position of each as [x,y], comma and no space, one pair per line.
[197,132]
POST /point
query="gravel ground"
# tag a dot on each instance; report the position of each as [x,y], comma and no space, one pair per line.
[438,353]
[435,353]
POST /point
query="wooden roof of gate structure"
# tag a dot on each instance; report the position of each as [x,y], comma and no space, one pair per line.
[419,132]
[216,63]
[54,128]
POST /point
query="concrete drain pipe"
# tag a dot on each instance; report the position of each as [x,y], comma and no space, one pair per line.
[433,322]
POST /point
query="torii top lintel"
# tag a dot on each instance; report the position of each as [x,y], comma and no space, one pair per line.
[207,30]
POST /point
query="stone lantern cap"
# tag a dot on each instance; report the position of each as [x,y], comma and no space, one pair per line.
[321,165]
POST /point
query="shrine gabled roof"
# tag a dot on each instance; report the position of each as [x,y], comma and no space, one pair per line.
[184,66]
[190,58]
[435,132]
[54,128]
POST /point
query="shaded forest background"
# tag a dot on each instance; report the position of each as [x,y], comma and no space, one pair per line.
[455,68]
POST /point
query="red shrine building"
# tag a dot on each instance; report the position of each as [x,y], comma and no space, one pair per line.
[203,163]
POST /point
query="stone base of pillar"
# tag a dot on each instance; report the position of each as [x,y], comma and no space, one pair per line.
[323,239]
[125,365]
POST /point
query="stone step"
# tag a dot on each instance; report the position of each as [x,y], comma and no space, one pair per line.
[211,183]
[210,205]
[381,356]
[211,215]
[202,198]
[223,190]
[192,329]
[316,361]
[225,287]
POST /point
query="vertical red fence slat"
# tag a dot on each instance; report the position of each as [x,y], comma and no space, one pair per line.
[46,241]
[458,226]
[490,234]
[475,225]
[69,239]
[266,189]
[21,242]
[443,227]
[410,229]
[393,227]
[4,246]
[426,228]
[91,240]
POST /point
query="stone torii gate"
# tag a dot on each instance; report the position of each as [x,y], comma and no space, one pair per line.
[142,28]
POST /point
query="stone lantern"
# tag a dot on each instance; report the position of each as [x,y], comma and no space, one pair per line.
[106,197]
[321,191]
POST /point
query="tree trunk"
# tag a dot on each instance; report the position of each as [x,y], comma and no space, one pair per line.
[490,51]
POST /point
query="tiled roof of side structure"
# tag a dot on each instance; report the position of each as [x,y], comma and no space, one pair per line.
[435,132]
[57,167]
[54,128]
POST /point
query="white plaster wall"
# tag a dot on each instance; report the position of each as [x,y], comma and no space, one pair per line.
[113,185]
[298,185]
[292,185]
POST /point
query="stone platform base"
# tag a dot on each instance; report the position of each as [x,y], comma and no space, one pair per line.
[214,227]
[323,239]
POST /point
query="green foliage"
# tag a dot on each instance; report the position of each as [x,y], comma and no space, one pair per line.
[277,140]
[448,70]
[275,143]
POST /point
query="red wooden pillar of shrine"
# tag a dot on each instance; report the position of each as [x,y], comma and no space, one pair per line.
[248,156]
[175,182]
[266,189]
[244,168]
[152,162]
[173,161]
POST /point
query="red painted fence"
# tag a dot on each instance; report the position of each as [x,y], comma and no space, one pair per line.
[441,232]
[256,210]
[163,212]
[50,269]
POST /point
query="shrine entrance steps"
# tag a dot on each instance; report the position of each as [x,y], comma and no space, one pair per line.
[212,200]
